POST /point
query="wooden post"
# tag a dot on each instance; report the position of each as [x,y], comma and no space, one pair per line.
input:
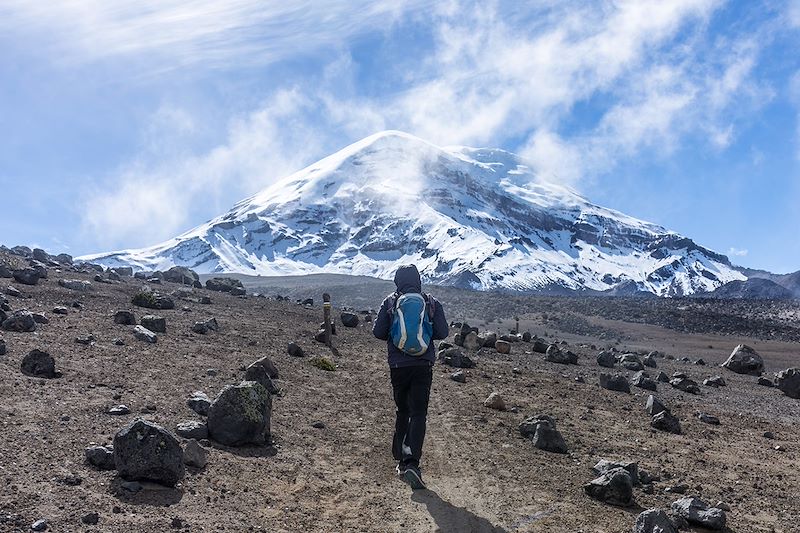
[516,328]
[326,313]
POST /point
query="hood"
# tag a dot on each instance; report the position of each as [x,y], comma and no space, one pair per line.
[407,279]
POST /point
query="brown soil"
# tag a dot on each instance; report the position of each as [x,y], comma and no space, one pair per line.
[481,474]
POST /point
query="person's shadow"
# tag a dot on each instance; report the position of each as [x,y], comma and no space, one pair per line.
[452,519]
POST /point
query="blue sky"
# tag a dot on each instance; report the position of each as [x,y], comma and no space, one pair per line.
[125,123]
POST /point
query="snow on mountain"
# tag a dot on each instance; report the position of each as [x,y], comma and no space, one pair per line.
[476,218]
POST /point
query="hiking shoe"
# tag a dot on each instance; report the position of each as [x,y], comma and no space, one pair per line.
[413,477]
[400,469]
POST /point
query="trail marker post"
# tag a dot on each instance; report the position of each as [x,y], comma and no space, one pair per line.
[326,314]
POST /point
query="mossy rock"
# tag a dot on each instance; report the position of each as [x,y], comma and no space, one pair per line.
[241,415]
[323,363]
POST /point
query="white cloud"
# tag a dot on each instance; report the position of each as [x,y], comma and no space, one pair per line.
[793,12]
[737,252]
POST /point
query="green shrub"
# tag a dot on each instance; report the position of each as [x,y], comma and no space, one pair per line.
[323,363]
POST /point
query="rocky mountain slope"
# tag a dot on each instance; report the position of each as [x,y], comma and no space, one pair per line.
[477,218]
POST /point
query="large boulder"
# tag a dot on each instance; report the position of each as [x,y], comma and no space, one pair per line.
[179,274]
[27,276]
[502,346]
[126,318]
[643,381]
[654,521]
[631,361]
[20,321]
[554,354]
[472,342]
[39,364]
[685,385]
[153,300]
[698,513]
[788,381]
[614,487]
[615,382]
[223,284]
[541,429]
[666,421]
[157,324]
[745,360]
[349,319]
[123,271]
[605,466]
[144,451]
[241,415]
[606,359]
[539,345]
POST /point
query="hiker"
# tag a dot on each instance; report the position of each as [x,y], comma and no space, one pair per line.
[410,321]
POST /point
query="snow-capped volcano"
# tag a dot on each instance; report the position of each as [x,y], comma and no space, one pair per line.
[477,218]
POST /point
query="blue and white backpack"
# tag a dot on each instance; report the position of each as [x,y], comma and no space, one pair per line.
[412,323]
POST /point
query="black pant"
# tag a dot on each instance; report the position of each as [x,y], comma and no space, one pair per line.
[412,388]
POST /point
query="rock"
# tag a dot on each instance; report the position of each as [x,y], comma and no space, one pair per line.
[269,366]
[192,429]
[459,376]
[616,382]
[605,466]
[75,284]
[144,334]
[662,378]
[113,276]
[194,454]
[2,347]
[348,319]
[502,346]
[199,403]
[153,300]
[20,321]
[241,415]
[631,361]
[85,339]
[698,513]
[13,291]
[526,337]
[685,385]
[765,382]
[615,487]
[654,521]
[458,340]
[118,342]
[26,276]
[555,355]
[788,381]
[654,406]
[715,381]
[101,457]
[455,358]
[666,421]
[60,310]
[259,373]
[700,362]
[495,401]
[120,410]
[643,381]
[541,429]
[5,272]
[472,342]
[606,359]
[539,346]
[649,360]
[490,341]
[183,275]
[223,284]
[90,519]
[39,525]
[39,364]
[146,451]
[294,350]
[318,425]
[40,318]
[156,324]
[745,360]
[40,255]
[238,291]
[126,318]
[708,419]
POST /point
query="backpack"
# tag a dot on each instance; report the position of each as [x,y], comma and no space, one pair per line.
[412,322]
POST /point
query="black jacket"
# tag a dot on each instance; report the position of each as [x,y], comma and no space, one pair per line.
[407,280]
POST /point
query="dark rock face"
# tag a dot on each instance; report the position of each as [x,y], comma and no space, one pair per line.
[123,271]
[144,451]
[144,334]
[126,318]
[631,361]
[654,406]
[295,350]
[654,521]
[666,421]
[539,346]
[698,513]
[455,358]
[615,487]
[604,466]
[27,276]
[616,382]
[685,384]
[223,284]
[643,381]
[745,360]
[788,381]
[241,415]
[39,364]
[20,321]
[554,354]
[349,320]
[541,429]
[157,324]
[606,359]
[179,274]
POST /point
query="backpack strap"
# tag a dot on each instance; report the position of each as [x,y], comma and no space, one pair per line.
[431,306]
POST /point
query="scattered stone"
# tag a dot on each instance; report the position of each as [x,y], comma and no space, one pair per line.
[490,340]
[269,366]
[495,401]
[144,334]
[101,457]
[146,451]
[39,364]
[90,519]
[698,513]
[223,284]
[745,360]
[554,354]
[348,319]
[685,384]
[318,425]
[539,346]
[631,361]
[765,382]
[2,347]
[606,359]
[126,318]
[241,415]
[502,346]
[615,487]
[85,339]
[118,342]
[199,402]
[459,376]
[295,350]
[13,291]
[788,381]
[643,381]
[472,342]
[153,300]
[662,378]
[39,525]
[716,381]
[27,276]
[156,324]
[769,435]
[260,374]
[677,489]
[649,360]
[616,382]
[604,466]
[526,337]
[60,310]
[455,358]
[182,275]
[654,406]
[192,429]
[194,454]
[708,419]
[654,521]
[666,421]
[541,429]
[120,410]
[75,284]
[20,321]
